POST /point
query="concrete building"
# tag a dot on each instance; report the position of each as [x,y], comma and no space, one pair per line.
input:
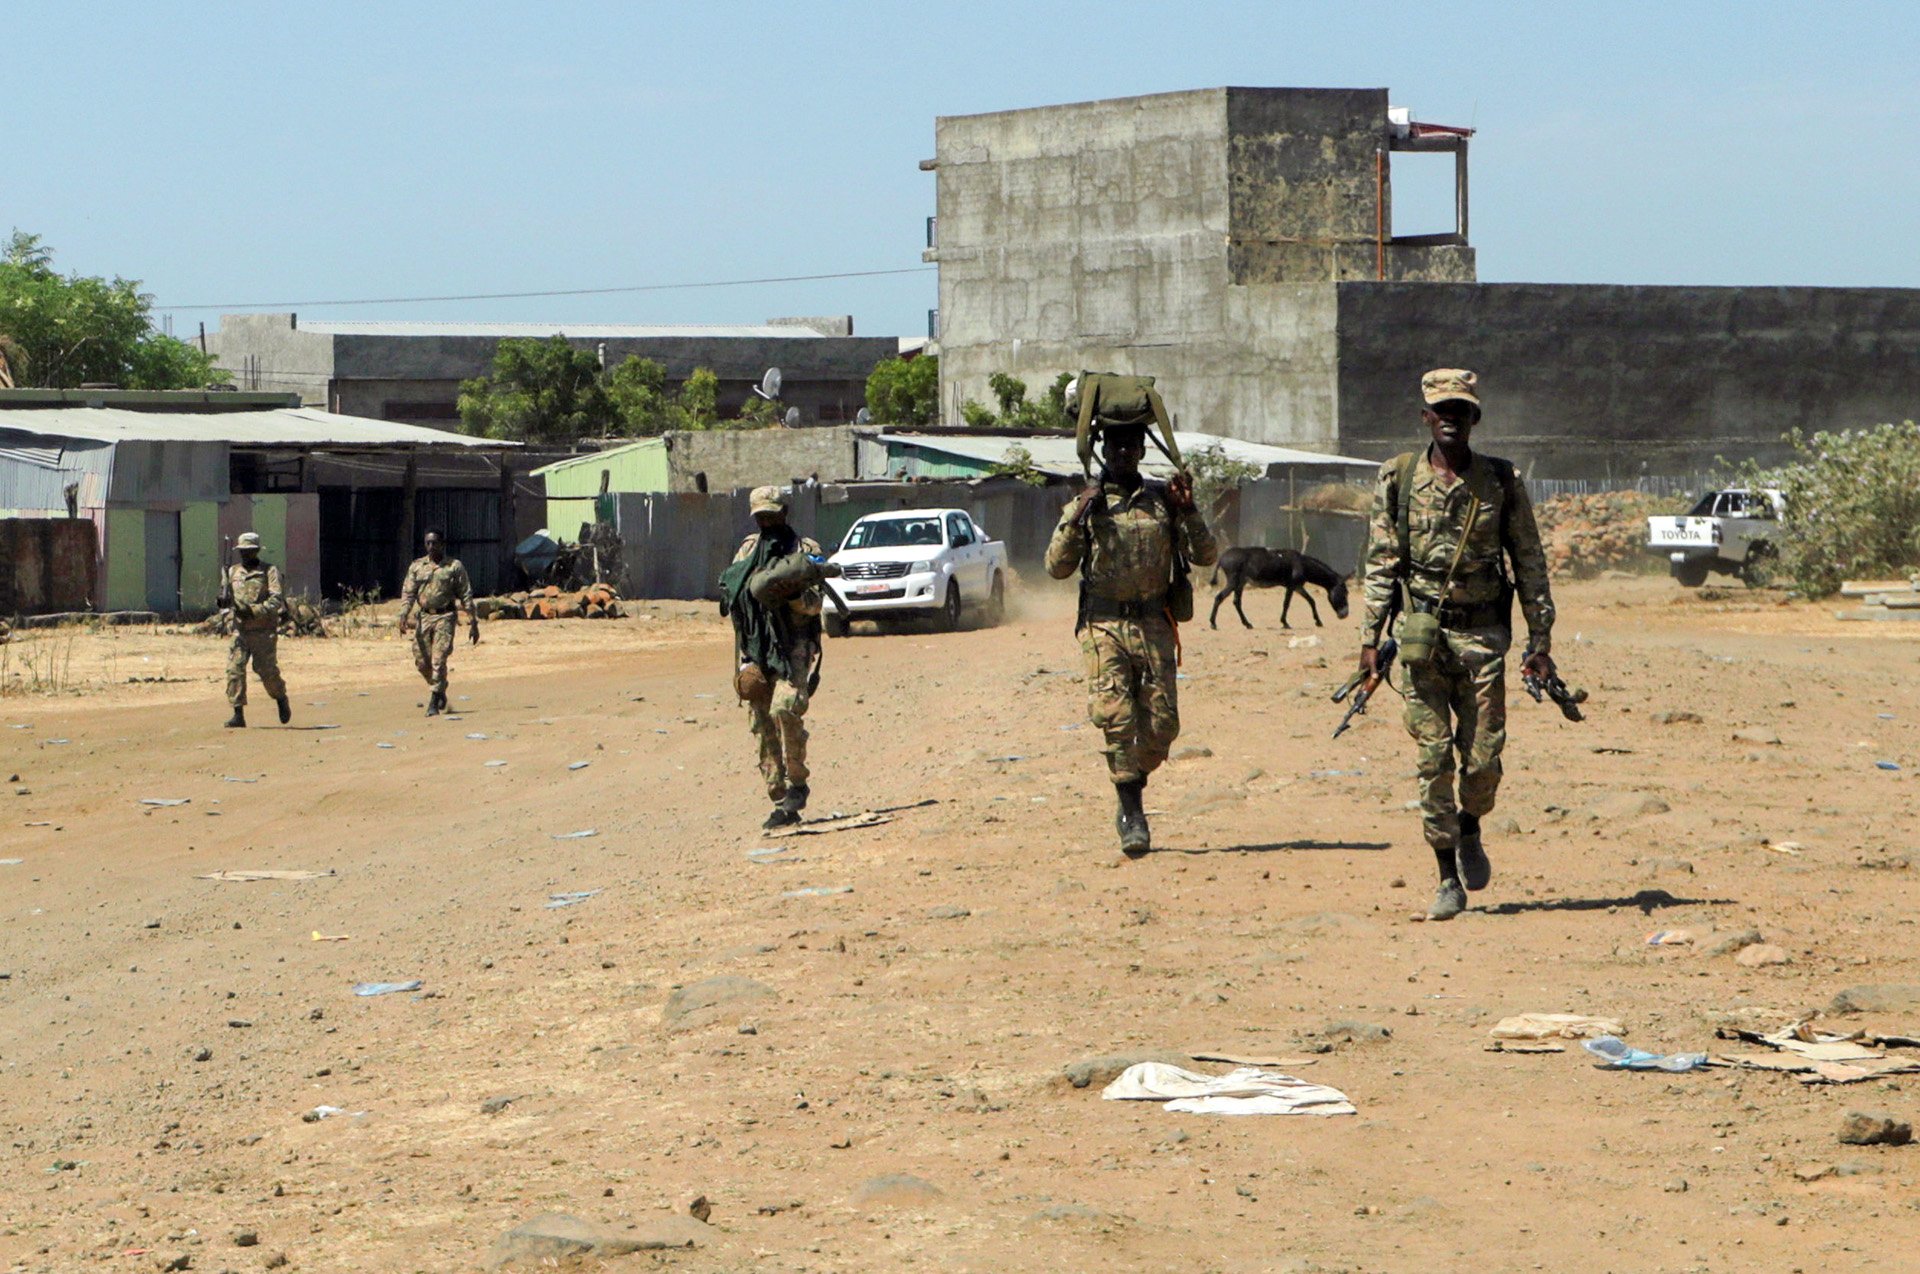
[411,372]
[1237,244]
[167,479]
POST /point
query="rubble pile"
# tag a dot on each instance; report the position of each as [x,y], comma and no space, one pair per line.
[596,601]
[1588,534]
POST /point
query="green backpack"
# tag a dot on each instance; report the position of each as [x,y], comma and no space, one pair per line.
[1108,398]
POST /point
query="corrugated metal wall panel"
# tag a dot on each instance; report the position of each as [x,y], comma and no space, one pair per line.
[36,478]
[166,472]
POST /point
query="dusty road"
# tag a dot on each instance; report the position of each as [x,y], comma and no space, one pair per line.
[161,1035]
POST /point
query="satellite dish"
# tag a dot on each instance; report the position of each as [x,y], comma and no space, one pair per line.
[769,386]
[792,418]
[863,417]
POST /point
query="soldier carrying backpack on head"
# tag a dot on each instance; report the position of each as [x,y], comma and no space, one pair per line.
[1132,541]
[1445,524]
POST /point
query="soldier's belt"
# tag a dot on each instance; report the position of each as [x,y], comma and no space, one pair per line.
[444,610]
[1469,615]
[1102,609]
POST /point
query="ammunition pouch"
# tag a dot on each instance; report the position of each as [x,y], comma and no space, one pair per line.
[1419,634]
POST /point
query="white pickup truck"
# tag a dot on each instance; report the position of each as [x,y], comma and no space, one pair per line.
[918,563]
[1729,531]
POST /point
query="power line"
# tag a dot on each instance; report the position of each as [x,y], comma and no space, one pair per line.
[520,296]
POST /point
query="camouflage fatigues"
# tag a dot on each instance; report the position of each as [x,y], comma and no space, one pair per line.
[438,591]
[259,601]
[776,714]
[1128,559]
[1456,704]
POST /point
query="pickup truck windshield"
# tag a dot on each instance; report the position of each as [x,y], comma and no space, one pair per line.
[888,533]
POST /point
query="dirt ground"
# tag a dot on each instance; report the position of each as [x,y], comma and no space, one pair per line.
[162,1035]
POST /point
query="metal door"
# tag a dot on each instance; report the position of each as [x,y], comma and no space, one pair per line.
[163,562]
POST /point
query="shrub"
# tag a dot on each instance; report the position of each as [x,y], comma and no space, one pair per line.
[1853,505]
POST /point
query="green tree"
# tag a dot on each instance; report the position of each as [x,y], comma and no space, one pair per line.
[61,331]
[1215,473]
[539,391]
[978,415]
[1853,505]
[638,388]
[905,391]
[699,404]
[1010,392]
[760,413]
[1018,463]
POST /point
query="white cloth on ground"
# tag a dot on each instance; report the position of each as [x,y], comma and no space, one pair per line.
[1246,1091]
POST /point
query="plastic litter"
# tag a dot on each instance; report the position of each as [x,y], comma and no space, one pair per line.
[569,900]
[12,862]
[318,1113]
[494,765]
[1670,938]
[234,778]
[1885,765]
[817,891]
[383,745]
[579,835]
[265,875]
[578,765]
[330,937]
[1246,1091]
[1617,1054]
[384,988]
[476,735]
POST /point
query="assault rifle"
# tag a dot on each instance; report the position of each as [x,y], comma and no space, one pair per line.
[1551,687]
[1362,685]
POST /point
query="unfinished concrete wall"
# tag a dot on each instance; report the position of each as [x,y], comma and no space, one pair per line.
[1311,191]
[1190,236]
[736,458]
[271,352]
[1597,381]
[47,565]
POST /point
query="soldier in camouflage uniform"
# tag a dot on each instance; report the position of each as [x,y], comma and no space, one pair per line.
[253,591]
[438,588]
[1466,516]
[776,646]
[1121,535]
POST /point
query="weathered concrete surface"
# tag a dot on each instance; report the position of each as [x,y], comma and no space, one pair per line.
[1190,236]
[1591,381]
[732,458]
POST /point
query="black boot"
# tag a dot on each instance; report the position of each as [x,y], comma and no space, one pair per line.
[1475,870]
[286,709]
[433,704]
[1135,838]
[1450,899]
[796,798]
[781,817]
[238,721]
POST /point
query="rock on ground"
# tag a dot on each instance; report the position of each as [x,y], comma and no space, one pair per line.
[1101,1071]
[711,1000]
[1881,997]
[1870,1128]
[896,1190]
[556,1236]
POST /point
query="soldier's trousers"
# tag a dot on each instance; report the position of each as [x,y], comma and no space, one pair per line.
[777,717]
[1132,694]
[432,644]
[263,648]
[1456,707]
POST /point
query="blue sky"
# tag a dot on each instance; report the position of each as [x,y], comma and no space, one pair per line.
[232,154]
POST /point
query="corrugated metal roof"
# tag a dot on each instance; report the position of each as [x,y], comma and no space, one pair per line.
[596,457]
[580,331]
[1056,453]
[284,427]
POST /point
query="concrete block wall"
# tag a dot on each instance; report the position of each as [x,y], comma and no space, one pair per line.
[1599,381]
[736,458]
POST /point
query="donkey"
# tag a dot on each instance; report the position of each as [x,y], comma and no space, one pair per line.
[1284,568]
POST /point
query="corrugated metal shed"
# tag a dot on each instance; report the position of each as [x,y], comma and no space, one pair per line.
[34,475]
[303,427]
[955,455]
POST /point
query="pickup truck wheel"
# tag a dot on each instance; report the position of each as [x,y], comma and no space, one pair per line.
[950,609]
[836,625]
[1690,574]
[997,601]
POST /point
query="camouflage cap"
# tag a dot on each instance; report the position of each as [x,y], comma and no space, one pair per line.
[1443,383]
[247,540]
[767,500]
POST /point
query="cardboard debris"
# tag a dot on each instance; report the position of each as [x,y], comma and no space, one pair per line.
[1548,1026]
